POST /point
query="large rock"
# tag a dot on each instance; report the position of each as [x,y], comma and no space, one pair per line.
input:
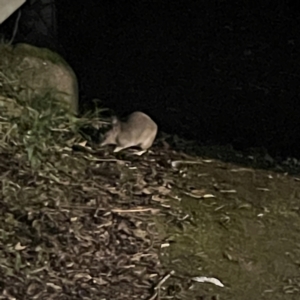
[38,72]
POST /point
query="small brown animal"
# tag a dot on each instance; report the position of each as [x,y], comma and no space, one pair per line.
[139,130]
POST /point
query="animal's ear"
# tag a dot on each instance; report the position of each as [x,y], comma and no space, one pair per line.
[114,121]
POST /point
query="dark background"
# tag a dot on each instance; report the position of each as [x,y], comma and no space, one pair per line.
[224,72]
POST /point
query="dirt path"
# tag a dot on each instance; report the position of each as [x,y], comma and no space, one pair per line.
[247,235]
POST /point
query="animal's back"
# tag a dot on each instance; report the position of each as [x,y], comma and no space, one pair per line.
[138,122]
[137,128]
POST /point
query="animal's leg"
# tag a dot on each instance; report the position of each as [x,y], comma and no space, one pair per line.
[145,145]
[139,153]
[119,148]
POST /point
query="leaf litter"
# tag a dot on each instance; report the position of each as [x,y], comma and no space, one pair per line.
[75,223]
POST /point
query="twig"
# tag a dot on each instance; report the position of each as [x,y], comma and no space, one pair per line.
[116,210]
[177,163]
[160,283]
[15,27]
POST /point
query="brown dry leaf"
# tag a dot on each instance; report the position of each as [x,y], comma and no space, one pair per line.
[208,161]
[228,191]
[19,247]
[146,191]
[162,190]
[100,281]
[84,276]
[263,189]
[178,163]
[54,286]
[140,233]
[168,182]
[241,170]
[114,191]
[33,288]
[124,227]
[200,192]
[157,198]
[205,196]
[83,144]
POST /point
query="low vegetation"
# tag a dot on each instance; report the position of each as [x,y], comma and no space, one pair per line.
[74,223]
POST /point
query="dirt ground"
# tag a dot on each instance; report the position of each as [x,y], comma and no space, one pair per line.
[237,224]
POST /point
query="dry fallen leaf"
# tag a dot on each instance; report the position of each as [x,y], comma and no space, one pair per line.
[19,247]
[228,191]
[157,198]
[146,191]
[140,233]
[200,192]
[54,286]
[163,190]
[208,279]
[205,196]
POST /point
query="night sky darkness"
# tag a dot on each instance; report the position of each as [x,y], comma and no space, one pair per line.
[216,71]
